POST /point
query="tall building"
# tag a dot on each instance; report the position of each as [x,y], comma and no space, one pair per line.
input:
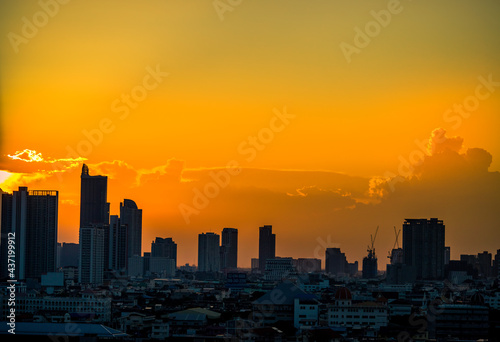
[118,244]
[94,235]
[229,248]
[164,248]
[94,208]
[92,255]
[131,216]
[484,261]
[424,248]
[370,266]
[335,261]
[267,245]
[30,216]
[208,252]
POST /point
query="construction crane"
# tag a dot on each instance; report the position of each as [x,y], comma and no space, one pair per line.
[396,243]
[371,248]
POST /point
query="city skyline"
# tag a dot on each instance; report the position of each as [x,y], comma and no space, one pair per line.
[323,120]
[424,239]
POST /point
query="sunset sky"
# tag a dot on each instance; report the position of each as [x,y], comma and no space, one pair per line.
[324,119]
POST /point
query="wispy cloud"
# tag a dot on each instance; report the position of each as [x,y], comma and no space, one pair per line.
[30,156]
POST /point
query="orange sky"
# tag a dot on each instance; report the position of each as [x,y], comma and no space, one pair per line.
[163,95]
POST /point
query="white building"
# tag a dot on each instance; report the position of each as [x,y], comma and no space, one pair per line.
[365,314]
[305,312]
[87,304]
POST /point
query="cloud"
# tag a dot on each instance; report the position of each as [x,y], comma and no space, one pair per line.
[478,159]
[439,142]
[31,161]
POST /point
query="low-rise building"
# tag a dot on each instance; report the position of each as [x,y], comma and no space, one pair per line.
[345,313]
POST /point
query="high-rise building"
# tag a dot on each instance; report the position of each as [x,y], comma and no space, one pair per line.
[229,248]
[30,216]
[94,235]
[131,216]
[94,208]
[370,266]
[164,248]
[424,248]
[118,244]
[335,261]
[484,261]
[208,252]
[92,255]
[267,245]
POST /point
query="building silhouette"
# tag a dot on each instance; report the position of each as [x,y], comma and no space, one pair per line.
[424,247]
[335,261]
[267,245]
[131,216]
[94,209]
[164,248]
[94,235]
[370,266]
[30,216]
[208,252]
[484,261]
[117,244]
[229,248]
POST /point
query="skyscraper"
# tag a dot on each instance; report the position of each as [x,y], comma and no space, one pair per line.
[335,261]
[229,248]
[208,252]
[92,255]
[94,208]
[32,217]
[94,228]
[164,248]
[131,216]
[118,244]
[267,245]
[423,247]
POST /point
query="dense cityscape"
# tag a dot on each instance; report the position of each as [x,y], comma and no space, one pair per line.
[104,287]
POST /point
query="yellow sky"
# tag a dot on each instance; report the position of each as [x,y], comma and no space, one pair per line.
[68,67]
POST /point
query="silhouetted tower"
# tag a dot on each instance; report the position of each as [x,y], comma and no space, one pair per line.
[423,247]
[94,209]
[30,216]
[370,265]
[229,248]
[131,216]
[267,245]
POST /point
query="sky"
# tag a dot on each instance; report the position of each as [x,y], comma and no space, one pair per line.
[324,119]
